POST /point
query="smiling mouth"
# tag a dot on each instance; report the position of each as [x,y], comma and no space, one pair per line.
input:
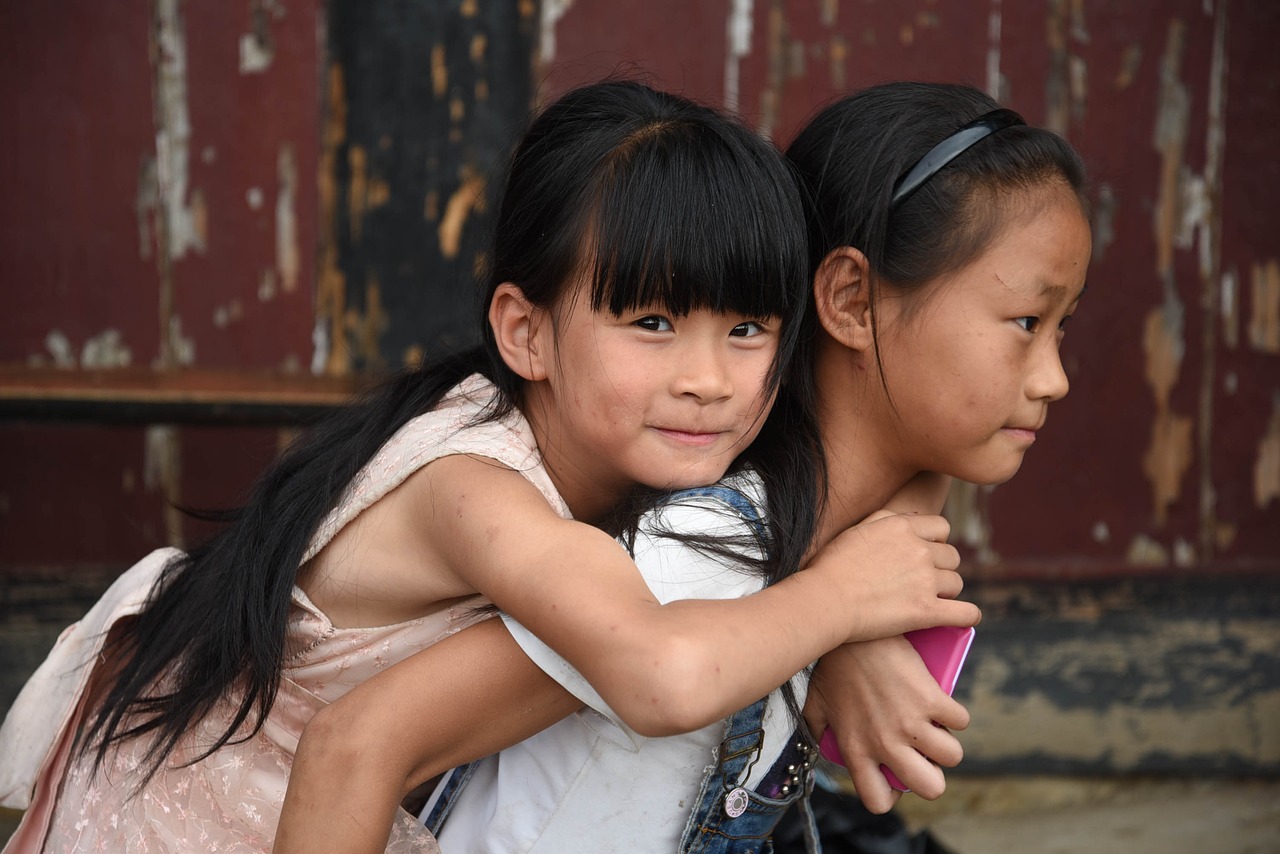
[686,437]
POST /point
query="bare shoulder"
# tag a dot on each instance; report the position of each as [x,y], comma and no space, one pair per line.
[398,559]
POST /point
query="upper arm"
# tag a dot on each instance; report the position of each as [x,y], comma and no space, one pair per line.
[419,716]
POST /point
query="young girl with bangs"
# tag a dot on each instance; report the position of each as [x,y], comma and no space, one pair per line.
[949,243]
[648,273]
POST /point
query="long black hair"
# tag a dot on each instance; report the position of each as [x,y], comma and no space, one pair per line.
[667,200]
[852,154]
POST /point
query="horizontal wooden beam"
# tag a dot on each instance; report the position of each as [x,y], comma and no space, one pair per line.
[143,395]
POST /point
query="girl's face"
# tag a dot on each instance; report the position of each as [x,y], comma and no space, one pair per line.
[650,398]
[973,368]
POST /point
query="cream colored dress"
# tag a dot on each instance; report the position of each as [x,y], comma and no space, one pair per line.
[230,801]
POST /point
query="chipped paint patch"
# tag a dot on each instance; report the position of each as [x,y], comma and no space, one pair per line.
[182,348]
[1266,467]
[257,47]
[1144,551]
[288,254]
[161,472]
[185,220]
[1104,216]
[468,196]
[1229,309]
[996,83]
[1169,455]
[1125,693]
[1130,63]
[1264,318]
[738,38]
[368,327]
[146,206]
[968,510]
[552,12]
[59,347]
[106,350]
[330,354]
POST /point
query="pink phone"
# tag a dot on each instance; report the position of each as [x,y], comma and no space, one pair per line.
[944,649]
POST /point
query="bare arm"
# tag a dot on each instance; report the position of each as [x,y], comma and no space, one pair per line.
[667,668]
[881,701]
[467,696]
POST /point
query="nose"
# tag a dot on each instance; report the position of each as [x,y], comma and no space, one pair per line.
[702,372]
[1048,380]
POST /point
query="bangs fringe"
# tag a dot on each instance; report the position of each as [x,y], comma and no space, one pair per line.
[687,219]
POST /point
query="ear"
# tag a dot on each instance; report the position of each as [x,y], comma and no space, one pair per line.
[515,322]
[842,294]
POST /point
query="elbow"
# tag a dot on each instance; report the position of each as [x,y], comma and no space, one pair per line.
[337,740]
[677,692]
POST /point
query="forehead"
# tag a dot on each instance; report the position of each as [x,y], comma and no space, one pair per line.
[1041,251]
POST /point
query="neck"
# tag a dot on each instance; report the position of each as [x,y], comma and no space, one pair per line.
[864,467]
[588,500]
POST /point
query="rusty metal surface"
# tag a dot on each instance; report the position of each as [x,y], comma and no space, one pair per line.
[1165,458]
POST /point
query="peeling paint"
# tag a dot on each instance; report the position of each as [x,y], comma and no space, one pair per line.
[1264,317]
[161,472]
[1125,693]
[738,39]
[182,347]
[837,60]
[330,354]
[1229,309]
[226,315]
[1144,551]
[267,286]
[288,253]
[173,133]
[469,195]
[1266,468]
[59,347]
[1169,455]
[775,50]
[996,84]
[146,206]
[1104,216]
[1101,533]
[105,350]
[257,47]
[1130,62]
[366,328]
[552,12]
[439,71]
[968,510]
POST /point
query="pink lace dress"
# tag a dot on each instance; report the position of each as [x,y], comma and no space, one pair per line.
[230,802]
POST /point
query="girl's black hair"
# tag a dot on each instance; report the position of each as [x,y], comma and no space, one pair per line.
[663,200]
[851,155]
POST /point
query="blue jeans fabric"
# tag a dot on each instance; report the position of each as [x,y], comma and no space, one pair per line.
[728,819]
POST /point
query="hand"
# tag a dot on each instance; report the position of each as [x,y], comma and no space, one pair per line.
[884,705]
[893,574]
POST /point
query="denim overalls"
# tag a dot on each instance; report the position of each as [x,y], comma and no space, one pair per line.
[726,818]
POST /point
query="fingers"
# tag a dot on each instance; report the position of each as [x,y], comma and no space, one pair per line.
[873,789]
[951,714]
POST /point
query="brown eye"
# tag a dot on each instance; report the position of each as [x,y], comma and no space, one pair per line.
[654,323]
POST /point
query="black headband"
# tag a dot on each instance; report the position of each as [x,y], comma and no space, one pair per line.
[950,148]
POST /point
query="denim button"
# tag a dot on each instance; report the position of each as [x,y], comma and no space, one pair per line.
[735,803]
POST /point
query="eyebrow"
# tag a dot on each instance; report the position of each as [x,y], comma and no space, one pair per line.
[1059,291]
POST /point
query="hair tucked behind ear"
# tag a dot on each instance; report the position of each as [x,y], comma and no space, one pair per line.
[853,152]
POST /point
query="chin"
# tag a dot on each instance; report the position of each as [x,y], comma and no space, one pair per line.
[989,477]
